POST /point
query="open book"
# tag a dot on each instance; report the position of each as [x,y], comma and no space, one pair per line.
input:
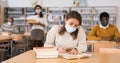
[45,52]
[74,56]
[51,52]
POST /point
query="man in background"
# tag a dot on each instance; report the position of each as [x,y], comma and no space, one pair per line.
[104,30]
[9,26]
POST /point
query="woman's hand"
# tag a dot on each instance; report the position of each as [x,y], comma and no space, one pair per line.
[73,51]
[61,50]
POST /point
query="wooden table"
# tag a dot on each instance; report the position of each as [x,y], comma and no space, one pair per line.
[7,39]
[4,38]
[29,57]
[10,39]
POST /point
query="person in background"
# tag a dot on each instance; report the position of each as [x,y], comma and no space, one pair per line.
[9,26]
[104,30]
[63,21]
[68,38]
[37,31]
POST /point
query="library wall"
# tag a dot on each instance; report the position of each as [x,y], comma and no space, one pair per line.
[55,15]
[103,2]
[61,3]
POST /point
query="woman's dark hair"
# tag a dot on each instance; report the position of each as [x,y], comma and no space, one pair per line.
[104,14]
[75,15]
[40,14]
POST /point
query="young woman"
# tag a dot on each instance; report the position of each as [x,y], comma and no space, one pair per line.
[37,31]
[69,38]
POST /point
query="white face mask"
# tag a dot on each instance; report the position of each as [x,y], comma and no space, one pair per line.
[38,11]
[69,28]
[9,23]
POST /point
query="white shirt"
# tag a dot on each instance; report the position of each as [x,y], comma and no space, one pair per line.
[38,19]
[66,41]
[104,27]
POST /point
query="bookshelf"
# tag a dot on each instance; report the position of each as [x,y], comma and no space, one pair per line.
[18,15]
[55,15]
[0,15]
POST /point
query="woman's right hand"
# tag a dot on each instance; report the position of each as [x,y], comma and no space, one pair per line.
[61,50]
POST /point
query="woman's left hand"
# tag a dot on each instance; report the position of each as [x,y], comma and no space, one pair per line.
[73,51]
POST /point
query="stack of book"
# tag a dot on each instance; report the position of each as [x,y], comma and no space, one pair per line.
[45,52]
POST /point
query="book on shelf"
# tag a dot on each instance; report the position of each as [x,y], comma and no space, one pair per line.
[45,52]
[14,12]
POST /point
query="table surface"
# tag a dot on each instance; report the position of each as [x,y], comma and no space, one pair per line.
[4,38]
[29,57]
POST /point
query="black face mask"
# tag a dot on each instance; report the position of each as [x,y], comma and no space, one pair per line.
[104,23]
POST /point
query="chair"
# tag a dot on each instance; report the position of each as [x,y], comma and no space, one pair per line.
[90,45]
[19,45]
[4,47]
[103,44]
[2,55]
[109,55]
[27,39]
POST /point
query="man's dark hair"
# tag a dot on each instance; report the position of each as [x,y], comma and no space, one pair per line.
[104,14]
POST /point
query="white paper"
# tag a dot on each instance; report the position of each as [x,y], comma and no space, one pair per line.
[74,56]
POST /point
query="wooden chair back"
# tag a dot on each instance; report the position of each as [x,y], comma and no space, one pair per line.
[109,55]
[104,44]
